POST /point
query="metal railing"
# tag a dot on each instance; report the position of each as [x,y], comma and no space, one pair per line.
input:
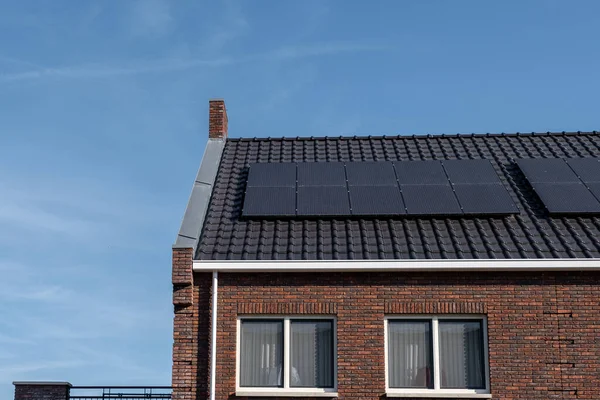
[120,392]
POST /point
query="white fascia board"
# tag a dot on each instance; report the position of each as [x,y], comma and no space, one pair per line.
[554,264]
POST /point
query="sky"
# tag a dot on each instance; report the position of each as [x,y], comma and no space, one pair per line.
[104,116]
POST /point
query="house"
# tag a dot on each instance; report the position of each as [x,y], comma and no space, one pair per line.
[450,266]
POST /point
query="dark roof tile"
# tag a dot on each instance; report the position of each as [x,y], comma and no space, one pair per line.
[530,234]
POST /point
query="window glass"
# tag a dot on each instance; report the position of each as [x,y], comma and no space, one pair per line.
[311,353]
[410,354]
[461,354]
[261,358]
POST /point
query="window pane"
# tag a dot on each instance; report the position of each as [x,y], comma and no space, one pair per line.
[461,354]
[311,354]
[410,354]
[261,353]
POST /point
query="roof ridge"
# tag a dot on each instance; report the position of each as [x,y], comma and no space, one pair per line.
[425,136]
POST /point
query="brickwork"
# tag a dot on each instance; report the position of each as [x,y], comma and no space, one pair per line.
[191,293]
[42,390]
[217,119]
[543,329]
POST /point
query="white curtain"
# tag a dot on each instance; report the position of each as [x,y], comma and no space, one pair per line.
[311,354]
[409,346]
[261,356]
[461,354]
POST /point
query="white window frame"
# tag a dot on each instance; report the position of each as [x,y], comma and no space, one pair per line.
[438,392]
[286,390]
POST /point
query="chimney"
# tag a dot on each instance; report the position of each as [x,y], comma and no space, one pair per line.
[217,119]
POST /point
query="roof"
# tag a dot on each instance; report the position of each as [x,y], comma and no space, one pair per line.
[532,234]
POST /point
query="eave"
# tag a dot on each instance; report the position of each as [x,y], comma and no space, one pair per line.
[483,265]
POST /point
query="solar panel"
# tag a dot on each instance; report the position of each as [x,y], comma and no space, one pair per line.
[322,189]
[321,174]
[269,201]
[547,170]
[567,198]
[420,172]
[376,200]
[430,200]
[588,169]
[272,174]
[370,174]
[594,188]
[470,171]
[491,199]
[323,201]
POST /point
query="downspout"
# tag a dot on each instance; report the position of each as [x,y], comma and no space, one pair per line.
[213,336]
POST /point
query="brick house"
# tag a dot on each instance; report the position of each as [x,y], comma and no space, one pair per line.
[451,266]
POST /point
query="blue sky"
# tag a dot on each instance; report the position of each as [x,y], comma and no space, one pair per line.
[103,120]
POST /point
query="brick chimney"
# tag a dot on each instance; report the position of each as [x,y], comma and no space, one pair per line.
[217,119]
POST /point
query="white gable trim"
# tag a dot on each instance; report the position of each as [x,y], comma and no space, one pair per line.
[572,264]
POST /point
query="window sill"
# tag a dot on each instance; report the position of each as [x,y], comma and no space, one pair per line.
[284,393]
[440,395]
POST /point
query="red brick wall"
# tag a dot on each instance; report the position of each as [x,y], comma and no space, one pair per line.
[191,329]
[543,329]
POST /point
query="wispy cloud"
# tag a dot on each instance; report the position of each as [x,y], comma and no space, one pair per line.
[70,326]
[112,358]
[12,340]
[42,293]
[79,212]
[16,62]
[31,217]
[288,86]
[232,25]
[324,49]
[151,17]
[292,52]
[9,371]
[107,70]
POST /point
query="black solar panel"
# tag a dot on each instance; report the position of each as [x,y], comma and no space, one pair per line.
[322,189]
[594,188]
[323,201]
[430,200]
[420,172]
[269,201]
[588,169]
[275,174]
[567,198]
[470,171]
[547,170]
[491,199]
[370,174]
[376,200]
[321,174]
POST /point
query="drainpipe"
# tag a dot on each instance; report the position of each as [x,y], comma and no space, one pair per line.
[213,336]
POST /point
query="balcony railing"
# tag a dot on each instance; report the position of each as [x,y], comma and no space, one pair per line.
[120,392]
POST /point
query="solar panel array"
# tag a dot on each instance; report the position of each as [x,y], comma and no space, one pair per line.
[565,186]
[412,188]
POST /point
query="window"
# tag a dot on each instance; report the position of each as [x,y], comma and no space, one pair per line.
[292,355]
[436,355]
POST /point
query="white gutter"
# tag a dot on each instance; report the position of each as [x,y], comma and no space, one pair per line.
[552,264]
[213,336]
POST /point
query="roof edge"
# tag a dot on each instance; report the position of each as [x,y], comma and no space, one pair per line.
[195,212]
[423,265]
[424,136]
